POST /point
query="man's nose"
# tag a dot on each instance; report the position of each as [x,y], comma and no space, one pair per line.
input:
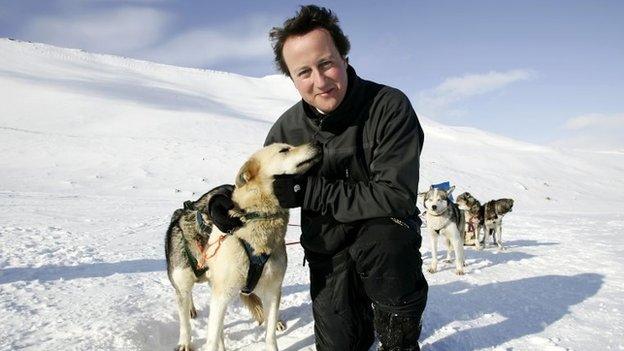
[319,79]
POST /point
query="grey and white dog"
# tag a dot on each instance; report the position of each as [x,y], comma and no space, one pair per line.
[473,218]
[493,212]
[444,219]
[185,234]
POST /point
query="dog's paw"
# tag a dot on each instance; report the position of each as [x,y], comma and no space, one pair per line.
[432,269]
[460,272]
[479,247]
[183,348]
[447,260]
[280,326]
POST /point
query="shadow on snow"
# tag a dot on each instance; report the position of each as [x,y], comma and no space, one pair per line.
[92,270]
[527,306]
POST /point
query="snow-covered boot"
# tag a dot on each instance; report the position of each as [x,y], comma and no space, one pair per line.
[397,332]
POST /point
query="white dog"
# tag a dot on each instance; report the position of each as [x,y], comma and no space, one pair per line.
[249,263]
[444,218]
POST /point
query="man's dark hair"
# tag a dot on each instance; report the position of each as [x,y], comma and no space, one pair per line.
[308,18]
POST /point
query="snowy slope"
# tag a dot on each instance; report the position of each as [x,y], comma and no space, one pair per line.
[97,151]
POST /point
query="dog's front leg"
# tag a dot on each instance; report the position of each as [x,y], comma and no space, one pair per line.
[486,235]
[449,249]
[218,304]
[499,235]
[221,342]
[433,267]
[459,250]
[273,301]
[477,242]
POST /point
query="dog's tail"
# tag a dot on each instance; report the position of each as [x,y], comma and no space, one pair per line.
[254,305]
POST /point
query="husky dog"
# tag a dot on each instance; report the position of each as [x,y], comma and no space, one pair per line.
[473,218]
[444,218]
[493,212]
[251,261]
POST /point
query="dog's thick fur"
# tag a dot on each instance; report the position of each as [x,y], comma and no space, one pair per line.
[225,255]
[493,212]
[444,218]
[473,218]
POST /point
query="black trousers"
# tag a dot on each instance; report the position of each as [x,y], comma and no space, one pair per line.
[374,284]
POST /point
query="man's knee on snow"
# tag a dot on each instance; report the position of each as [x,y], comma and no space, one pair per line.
[387,258]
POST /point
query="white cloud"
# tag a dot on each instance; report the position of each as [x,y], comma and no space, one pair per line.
[593,131]
[595,120]
[148,33]
[242,40]
[117,31]
[440,99]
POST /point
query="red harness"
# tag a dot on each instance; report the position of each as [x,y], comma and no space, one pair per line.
[471,223]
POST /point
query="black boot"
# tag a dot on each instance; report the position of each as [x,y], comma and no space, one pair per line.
[397,332]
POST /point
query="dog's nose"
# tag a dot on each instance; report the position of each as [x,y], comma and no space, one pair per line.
[434,207]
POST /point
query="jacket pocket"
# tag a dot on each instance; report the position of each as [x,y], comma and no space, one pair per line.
[322,234]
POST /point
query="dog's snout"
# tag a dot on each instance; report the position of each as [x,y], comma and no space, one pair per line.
[434,207]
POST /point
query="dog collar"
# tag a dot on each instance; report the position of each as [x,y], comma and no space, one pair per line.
[255,216]
[203,227]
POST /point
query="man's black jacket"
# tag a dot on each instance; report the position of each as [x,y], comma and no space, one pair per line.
[371,151]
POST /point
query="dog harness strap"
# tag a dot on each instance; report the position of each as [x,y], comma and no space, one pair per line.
[256,265]
[207,229]
[193,262]
[471,227]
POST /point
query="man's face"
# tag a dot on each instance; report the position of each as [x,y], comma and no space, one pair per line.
[317,69]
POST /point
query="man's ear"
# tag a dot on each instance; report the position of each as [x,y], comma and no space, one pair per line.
[248,172]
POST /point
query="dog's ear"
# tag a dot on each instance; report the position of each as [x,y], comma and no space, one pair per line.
[249,170]
[423,193]
[448,192]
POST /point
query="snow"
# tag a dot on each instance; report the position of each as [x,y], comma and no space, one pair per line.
[97,151]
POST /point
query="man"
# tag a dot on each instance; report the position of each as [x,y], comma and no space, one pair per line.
[359,221]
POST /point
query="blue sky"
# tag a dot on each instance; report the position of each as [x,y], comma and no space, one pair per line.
[548,72]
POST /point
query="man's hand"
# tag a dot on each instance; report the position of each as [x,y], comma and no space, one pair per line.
[290,189]
[218,207]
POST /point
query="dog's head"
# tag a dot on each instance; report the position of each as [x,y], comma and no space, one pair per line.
[467,202]
[503,206]
[254,182]
[436,200]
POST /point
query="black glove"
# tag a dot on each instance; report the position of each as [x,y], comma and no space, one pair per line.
[290,189]
[218,207]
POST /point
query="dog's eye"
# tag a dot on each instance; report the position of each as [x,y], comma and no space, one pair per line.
[284,150]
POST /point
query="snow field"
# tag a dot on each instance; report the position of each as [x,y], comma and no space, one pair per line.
[97,151]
